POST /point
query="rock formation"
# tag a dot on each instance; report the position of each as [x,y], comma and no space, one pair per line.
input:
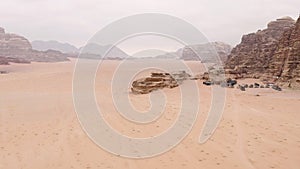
[15,48]
[155,82]
[255,51]
[12,43]
[285,64]
[159,81]
[7,60]
[272,54]
[205,51]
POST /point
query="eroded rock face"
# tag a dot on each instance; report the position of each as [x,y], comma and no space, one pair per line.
[285,63]
[159,81]
[10,41]
[155,82]
[253,55]
[12,44]
[15,48]
[272,54]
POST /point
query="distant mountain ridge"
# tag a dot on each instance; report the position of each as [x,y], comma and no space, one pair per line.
[89,51]
[96,51]
[53,45]
[207,52]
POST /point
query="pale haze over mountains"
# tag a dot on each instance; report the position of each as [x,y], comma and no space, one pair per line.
[76,21]
[91,49]
[55,45]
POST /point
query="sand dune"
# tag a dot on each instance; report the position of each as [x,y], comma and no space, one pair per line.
[39,127]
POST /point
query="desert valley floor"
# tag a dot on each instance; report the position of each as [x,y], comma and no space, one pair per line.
[39,127]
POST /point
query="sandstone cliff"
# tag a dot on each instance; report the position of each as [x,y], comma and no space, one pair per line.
[285,63]
[271,54]
[252,56]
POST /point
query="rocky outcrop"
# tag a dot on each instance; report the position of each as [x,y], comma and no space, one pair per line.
[46,56]
[16,48]
[252,56]
[7,60]
[285,64]
[13,44]
[155,82]
[159,81]
[272,54]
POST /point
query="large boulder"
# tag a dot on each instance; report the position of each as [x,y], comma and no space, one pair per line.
[154,82]
[159,81]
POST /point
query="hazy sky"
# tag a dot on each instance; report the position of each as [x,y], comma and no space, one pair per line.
[75,21]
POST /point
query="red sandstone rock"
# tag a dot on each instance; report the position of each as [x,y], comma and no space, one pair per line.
[272,54]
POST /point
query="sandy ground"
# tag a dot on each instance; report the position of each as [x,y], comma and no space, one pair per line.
[39,127]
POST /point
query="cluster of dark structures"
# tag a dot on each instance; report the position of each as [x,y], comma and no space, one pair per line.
[227,83]
[257,85]
[230,83]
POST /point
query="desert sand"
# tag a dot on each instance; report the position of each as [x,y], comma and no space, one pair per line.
[39,127]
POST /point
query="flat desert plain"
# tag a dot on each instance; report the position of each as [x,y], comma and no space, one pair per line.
[260,128]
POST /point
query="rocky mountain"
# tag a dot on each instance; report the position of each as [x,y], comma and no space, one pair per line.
[285,63]
[90,51]
[94,51]
[272,54]
[10,42]
[16,48]
[206,51]
[53,45]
